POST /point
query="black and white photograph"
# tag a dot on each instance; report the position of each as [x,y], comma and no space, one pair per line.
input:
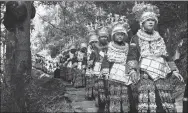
[94,56]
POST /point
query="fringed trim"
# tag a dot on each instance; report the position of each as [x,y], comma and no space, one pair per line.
[151,45]
[117,53]
[144,36]
[117,47]
[169,107]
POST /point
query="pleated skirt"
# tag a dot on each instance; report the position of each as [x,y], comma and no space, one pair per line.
[79,79]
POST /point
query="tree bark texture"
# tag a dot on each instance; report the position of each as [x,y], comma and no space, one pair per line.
[18,65]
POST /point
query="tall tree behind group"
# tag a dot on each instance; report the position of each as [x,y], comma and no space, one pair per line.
[18,54]
[73,15]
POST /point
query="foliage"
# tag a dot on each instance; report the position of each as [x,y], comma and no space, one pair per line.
[46,94]
[67,24]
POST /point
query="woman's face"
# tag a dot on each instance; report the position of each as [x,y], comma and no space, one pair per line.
[103,39]
[149,25]
[93,43]
[73,51]
[84,49]
[119,36]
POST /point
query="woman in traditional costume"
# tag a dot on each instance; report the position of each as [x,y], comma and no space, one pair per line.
[98,55]
[93,40]
[79,78]
[156,67]
[71,63]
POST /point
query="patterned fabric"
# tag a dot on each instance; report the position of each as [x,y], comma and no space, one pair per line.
[132,64]
[88,72]
[154,86]
[90,83]
[112,91]
[165,90]
[79,78]
[79,66]
[151,45]
[117,53]
[89,51]
[80,56]
[155,93]
[156,67]
[97,68]
[100,90]
[118,72]
[63,72]
[70,74]
[118,98]
[146,98]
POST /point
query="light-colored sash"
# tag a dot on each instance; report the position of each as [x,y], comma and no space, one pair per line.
[79,65]
[97,68]
[156,67]
[69,64]
[118,72]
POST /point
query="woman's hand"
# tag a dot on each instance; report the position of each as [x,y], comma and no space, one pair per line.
[90,63]
[178,75]
[134,76]
[83,71]
[105,72]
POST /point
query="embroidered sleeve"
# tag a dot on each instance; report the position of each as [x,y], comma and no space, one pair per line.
[133,54]
[105,63]
[92,56]
[74,61]
[173,66]
[84,62]
[92,59]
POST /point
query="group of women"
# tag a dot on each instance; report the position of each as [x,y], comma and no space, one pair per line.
[124,73]
[43,64]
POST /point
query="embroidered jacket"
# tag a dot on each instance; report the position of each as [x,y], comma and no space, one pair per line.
[115,62]
[150,52]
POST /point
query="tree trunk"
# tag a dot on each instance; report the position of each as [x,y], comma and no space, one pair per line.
[18,65]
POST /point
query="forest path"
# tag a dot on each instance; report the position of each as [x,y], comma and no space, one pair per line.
[79,103]
[74,98]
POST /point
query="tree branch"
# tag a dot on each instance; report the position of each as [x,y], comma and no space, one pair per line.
[51,24]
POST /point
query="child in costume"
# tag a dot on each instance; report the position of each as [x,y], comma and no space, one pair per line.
[114,89]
